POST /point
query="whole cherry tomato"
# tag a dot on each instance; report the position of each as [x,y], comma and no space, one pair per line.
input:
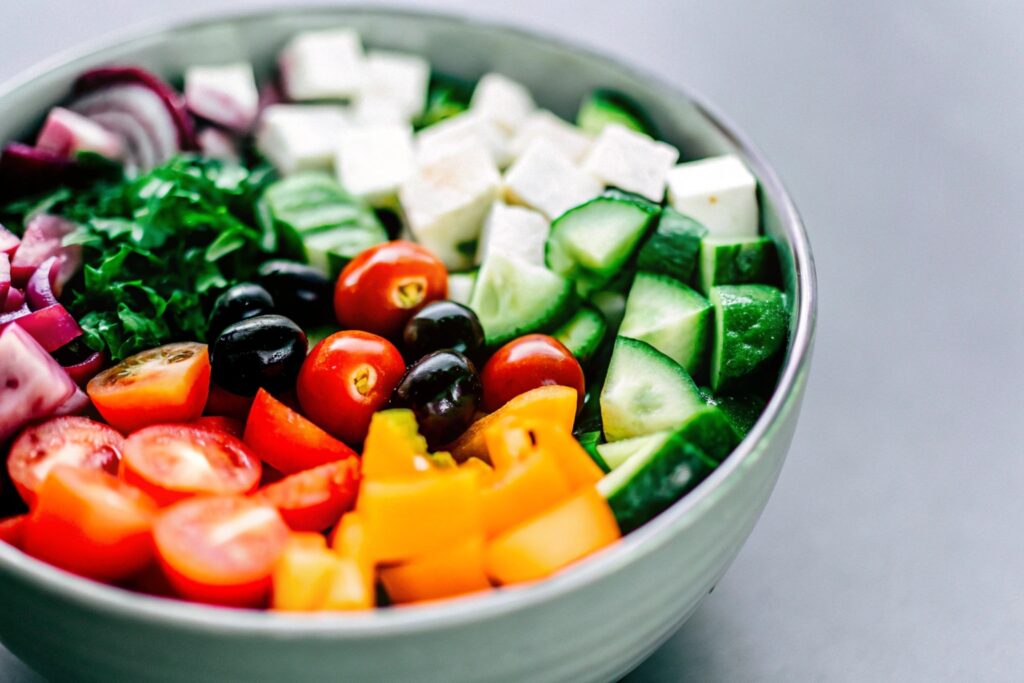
[346,379]
[381,288]
[526,363]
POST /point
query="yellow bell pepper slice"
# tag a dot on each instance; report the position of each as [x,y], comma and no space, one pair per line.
[394,447]
[302,574]
[445,573]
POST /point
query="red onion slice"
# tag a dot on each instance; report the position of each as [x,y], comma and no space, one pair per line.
[138,115]
[8,241]
[66,133]
[52,327]
[76,404]
[15,300]
[44,236]
[85,370]
[39,291]
[218,144]
[5,279]
[34,385]
[26,170]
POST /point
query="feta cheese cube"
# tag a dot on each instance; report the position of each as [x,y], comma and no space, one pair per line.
[374,109]
[373,161]
[545,126]
[459,132]
[299,137]
[514,231]
[718,192]
[323,65]
[502,100]
[446,201]
[399,78]
[546,180]
[631,161]
[224,94]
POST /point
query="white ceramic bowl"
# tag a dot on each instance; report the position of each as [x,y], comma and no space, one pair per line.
[595,621]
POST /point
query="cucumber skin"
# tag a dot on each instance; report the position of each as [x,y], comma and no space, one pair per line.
[589,441]
[673,248]
[604,106]
[739,262]
[740,410]
[583,350]
[751,326]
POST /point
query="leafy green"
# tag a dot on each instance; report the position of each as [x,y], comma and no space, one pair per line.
[447,96]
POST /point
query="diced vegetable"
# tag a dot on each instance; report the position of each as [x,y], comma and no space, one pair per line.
[445,573]
[750,327]
[34,384]
[737,261]
[66,133]
[460,287]
[604,106]
[302,574]
[531,361]
[315,499]
[394,447]
[42,240]
[583,333]
[671,317]
[674,247]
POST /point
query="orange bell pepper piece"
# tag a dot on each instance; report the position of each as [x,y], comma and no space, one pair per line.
[394,447]
[552,540]
[525,488]
[302,574]
[579,468]
[457,570]
[481,468]
[350,587]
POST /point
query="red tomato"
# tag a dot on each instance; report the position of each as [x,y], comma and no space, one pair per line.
[167,384]
[346,379]
[287,441]
[526,363]
[223,402]
[381,288]
[92,524]
[220,550]
[76,441]
[219,423]
[315,499]
[171,462]
[12,530]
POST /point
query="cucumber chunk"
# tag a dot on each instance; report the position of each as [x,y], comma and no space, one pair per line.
[460,287]
[740,410]
[671,317]
[512,298]
[645,391]
[611,306]
[592,242]
[589,441]
[604,106]
[750,327]
[737,261]
[673,247]
[583,333]
[657,470]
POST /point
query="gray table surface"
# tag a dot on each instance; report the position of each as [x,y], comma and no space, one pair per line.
[891,549]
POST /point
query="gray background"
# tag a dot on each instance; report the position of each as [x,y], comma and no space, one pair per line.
[892,548]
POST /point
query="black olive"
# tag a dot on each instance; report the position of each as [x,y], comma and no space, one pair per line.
[443,389]
[238,303]
[266,351]
[301,291]
[443,325]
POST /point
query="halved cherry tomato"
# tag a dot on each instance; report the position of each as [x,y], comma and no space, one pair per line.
[12,530]
[346,379]
[171,462]
[166,384]
[76,441]
[381,288]
[223,402]
[315,499]
[535,360]
[219,423]
[287,441]
[90,523]
[220,550]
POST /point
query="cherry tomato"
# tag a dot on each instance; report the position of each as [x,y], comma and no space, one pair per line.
[315,499]
[220,550]
[171,462]
[219,423]
[526,363]
[223,402]
[90,523]
[381,288]
[166,384]
[346,379]
[287,441]
[76,441]
[12,530]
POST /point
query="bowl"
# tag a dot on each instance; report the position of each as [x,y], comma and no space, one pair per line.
[593,622]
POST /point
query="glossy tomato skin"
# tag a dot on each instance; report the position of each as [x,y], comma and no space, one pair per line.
[346,379]
[12,530]
[528,362]
[287,441]
[384,286]
[315,499]
[92,524]
[68,440]
[228,425]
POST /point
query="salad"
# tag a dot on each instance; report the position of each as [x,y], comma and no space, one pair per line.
[359,334]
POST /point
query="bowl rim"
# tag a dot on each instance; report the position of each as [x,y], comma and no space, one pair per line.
[459,611]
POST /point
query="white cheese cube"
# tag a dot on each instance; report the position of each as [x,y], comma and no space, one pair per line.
[718,192]
[299,137]
[549,128]
[373,161]
[446,201]
[546,180]
[514,231]
[502,100]
[459,132]
[224,94]
[375,109]
[398,77]
[631,161]
[323,65]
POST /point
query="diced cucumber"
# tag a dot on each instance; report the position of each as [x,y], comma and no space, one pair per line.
[673,247]
[447,96]
[331,250]
[611,305]
[460,287]
[671,317]
[615,453]
[589,441]
[512,297]
[583,333]
[737,261]
[592,242]
[750,327]
[741,410]
[604,106]
[645,391]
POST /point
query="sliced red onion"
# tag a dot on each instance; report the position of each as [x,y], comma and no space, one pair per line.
[15,300]
[44,236]
[225,95]
[26,170]
[136,114]
[32,384]
[66,133]
[76,404]
[52,327]
[8,241]
[218,144]
[85,370]
[8,317]
[39,291]
[5,279]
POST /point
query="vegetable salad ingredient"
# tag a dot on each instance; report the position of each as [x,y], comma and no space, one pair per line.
[443,390]
[443,325]
[262,352]
[526,363]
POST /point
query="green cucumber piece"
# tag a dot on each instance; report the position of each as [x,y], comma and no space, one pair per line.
[460,286]
[611,306]
[645,391]
[750,328]
[512,298]
[447,96]
[583,333]
[725,261]
[741,410]
[671,317]
[615,453]
[331,250]
[589,441]
[674,246]
[604,106]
